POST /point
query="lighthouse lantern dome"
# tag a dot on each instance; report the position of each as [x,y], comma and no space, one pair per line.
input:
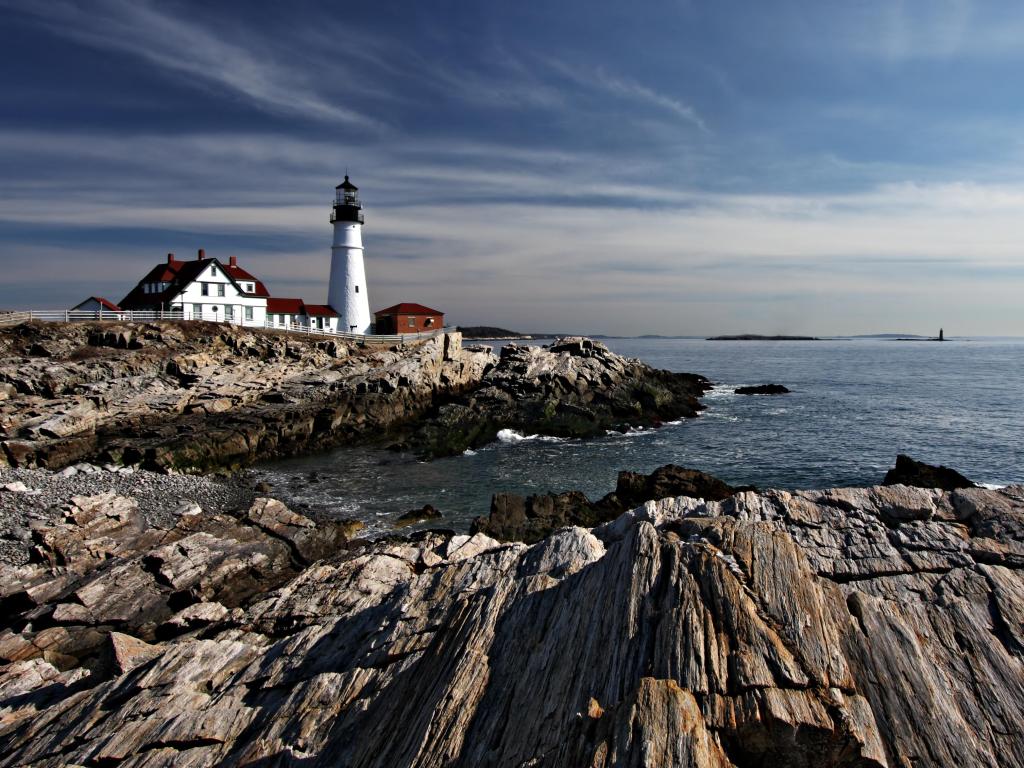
[346,193]
[347,207]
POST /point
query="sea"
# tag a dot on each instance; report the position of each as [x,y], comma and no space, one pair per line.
[855,404]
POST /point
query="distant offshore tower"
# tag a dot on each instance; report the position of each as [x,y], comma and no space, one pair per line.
[347,290]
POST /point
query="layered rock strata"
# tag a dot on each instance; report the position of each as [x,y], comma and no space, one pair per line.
[576,387]
[846,627]
[200,396]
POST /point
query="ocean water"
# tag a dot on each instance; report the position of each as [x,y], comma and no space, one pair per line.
[855,404]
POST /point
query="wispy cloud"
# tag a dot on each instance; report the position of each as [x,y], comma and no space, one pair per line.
[902,31]
[204,56]
[600,79]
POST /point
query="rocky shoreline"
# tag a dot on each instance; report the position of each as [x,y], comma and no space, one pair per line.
[843,627]
[196,397]
[151,618]
[575,387]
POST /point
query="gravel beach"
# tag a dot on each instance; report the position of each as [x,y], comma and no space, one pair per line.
[160,497]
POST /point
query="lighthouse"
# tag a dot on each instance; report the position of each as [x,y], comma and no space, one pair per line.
[347,290]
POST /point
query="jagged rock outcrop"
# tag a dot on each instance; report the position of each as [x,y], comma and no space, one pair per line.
[200,396]
[920,475]
[763,389]
[516,518]
[413,516]
[846,627]
[576,387]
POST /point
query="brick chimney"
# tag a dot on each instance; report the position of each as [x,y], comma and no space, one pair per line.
[202,254]
[170,258]
[233,261]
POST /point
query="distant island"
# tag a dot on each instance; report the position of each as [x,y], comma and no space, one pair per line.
[756,337]
[489,332]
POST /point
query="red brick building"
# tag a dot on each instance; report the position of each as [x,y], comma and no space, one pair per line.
[408,318]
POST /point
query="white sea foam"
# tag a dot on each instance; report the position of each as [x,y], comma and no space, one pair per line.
[631,432]
[512,436]
[719,391]
[469,452]
[992,486]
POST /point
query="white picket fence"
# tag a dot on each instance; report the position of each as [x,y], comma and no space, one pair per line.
[78,315]
[370,338]
[138,316]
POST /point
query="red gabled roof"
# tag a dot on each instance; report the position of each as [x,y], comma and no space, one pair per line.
[408,308]
[237,273]
[285,306]
[177,274]
[102,302]
[299,307]
[319,310]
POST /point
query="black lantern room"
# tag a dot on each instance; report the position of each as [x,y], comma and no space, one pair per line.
[346,203]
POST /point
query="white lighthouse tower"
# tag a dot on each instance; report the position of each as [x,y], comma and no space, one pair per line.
[347,290]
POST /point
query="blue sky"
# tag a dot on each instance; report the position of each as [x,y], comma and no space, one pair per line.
[677,167]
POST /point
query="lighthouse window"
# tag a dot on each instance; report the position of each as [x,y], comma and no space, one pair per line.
[357,289]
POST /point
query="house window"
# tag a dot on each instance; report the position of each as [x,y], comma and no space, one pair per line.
[205,289]
[248,313]
[229,312]
[197,311]
[428,322]
[412,322]
[220,289]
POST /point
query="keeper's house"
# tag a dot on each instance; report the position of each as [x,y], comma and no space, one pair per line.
[202,289]
[407,318]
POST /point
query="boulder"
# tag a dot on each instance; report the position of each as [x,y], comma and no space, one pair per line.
[762,389]
[413,516]
[916,473]
[515,518]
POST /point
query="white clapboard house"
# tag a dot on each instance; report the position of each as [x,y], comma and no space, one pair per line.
[206,289]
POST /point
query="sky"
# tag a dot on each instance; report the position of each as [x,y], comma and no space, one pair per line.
[678,167]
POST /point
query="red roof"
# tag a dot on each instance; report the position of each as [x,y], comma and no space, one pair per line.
[178,274]
[299,307]
[322,310]
[408,308]
[285,306]
[238,273]
[102,302]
